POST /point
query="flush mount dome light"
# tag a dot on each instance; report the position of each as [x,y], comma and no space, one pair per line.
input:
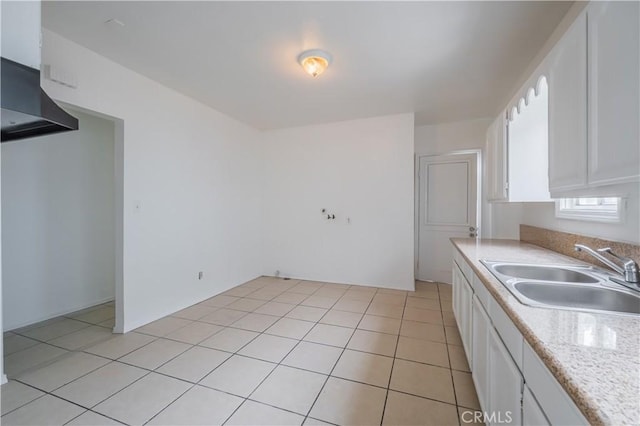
[315,61]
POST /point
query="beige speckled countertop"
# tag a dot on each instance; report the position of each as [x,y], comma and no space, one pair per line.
[594,357]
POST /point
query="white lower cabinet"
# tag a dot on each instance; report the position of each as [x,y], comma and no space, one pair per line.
[466,298]
[505,384]
[462,300]
[480,344]
[513,385]
[532,414]
[554,402]
[496,376]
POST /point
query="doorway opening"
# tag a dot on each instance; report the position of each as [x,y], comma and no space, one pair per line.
[62,234]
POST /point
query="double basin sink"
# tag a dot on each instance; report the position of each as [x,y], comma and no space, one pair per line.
[583,288]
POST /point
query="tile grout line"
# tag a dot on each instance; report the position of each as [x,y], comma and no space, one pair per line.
[278,317]
[278,364]
[238,354]
[395,352]
[195,384]
[338,360]
[71,352]
[94,412]
[453,384]
[283,358]
[91,409]
[20,331]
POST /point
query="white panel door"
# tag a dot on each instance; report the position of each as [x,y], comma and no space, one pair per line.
[614,92]
[448,209]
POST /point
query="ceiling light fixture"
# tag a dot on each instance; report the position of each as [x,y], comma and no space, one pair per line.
[315,61]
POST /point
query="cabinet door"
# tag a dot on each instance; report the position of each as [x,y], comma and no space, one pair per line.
[568,109]
[462,294]
[480,344]
[532,414]
[505,384]
[466,330]
[456,283]
[497,160]
[614,92]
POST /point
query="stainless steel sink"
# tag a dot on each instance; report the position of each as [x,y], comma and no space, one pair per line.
[544,273]
[571,287]
[579,296]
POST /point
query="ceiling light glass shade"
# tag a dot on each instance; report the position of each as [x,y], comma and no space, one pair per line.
[314,62]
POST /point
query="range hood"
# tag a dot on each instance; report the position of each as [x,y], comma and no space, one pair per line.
[27,111]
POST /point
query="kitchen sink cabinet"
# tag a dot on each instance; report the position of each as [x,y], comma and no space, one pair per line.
[512,383]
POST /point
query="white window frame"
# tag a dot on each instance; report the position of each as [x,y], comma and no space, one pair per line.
[569,208]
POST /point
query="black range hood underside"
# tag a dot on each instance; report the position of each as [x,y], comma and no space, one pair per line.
[27,111]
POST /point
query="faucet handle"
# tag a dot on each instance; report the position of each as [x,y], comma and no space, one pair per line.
[609,251]
[631,272]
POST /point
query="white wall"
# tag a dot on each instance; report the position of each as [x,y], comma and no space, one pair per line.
[442,138]
[506,219]
[191,185]
[362,170]
[58,222]
[446,137]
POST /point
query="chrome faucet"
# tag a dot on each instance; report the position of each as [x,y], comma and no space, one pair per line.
[629,267]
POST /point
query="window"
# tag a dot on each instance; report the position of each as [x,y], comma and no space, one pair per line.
[607,209]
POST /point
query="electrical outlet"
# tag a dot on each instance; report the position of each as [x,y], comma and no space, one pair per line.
[200,275]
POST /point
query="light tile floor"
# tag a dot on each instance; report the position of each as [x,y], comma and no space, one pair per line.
[270,351]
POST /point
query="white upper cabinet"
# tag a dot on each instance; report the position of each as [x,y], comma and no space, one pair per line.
[517,150]
[613,42]
[528,146]
[568,109]
[497,160]
[21,32]
[594,102]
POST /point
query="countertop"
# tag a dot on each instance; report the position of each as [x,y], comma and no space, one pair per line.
[595,357]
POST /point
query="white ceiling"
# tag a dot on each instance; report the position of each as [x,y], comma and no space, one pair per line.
[446,61]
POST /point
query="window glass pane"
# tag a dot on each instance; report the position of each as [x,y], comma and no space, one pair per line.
[588,201]
[590,208]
